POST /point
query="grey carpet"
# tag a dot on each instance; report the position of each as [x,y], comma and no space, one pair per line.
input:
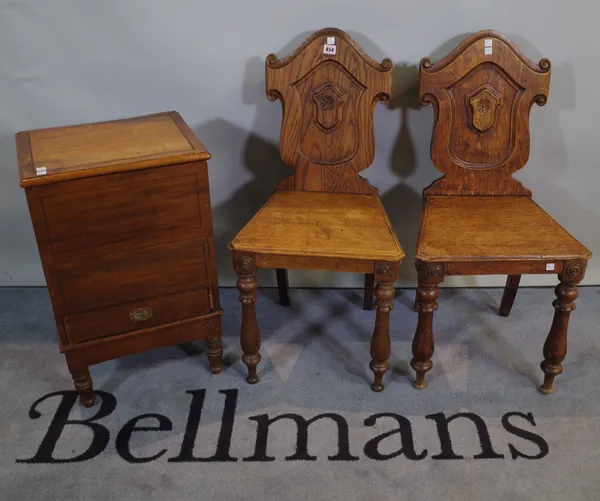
[315,362]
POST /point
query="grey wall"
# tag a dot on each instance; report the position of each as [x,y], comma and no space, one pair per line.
[66,62]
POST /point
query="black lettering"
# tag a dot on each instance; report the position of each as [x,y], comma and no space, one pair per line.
[61,419]
[222,454]
[524,434]
[442,422]
[124,436]
[302,424]
[407,446]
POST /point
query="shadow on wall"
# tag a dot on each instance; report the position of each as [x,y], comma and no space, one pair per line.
[549,161]
[261,158]
[409,160]
[548,154]
[19,258]
[545,176]
[403,202]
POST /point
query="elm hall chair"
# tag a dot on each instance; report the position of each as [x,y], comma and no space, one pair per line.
[324,216]
[477,219]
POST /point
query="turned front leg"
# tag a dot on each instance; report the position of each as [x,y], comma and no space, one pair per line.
[380,343]
[249,332]
[385,274]
[555,347]
[81,380]
[430,276]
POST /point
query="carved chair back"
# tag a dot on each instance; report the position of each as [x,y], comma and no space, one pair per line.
[328,92]
[482,93]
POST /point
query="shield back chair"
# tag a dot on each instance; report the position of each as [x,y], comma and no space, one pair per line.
[324,216]
[477,219]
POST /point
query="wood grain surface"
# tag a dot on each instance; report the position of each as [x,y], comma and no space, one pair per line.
[482,93]
[84,150]
[475,228]
[328,101]
[122,219]
[304,223]
[478,219]
[324,216]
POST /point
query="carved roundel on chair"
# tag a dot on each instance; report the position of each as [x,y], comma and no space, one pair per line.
[245,263]
[384,270]
[574,271]
[327,134]
[482,94]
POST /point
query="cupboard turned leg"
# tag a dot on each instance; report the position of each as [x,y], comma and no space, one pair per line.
[510,291]
[380,342]
[283,286]
[368,291]
[215,354]
[555,347]
[82,381]
[245,267]
[430,276]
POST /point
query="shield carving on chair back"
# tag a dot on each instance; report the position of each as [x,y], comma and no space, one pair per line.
[328,96]
[482,93]
[331,117]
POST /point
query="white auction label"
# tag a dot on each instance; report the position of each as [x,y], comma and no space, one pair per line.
[330,40]
[329,49]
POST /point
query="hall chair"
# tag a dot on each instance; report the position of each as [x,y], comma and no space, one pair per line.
[324,216]
[477,219]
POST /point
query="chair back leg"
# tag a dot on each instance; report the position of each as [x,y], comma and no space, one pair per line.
[510,291]
[369,291]
[283,286]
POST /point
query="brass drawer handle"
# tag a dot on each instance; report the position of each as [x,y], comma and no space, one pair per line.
[140,314]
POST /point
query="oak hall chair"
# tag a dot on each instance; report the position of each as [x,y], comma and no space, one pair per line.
[324,216]
[477,219]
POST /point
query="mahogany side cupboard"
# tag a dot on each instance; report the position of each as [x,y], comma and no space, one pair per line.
[121,214]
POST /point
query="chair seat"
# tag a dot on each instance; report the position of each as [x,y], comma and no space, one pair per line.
[492,228]
[336,225]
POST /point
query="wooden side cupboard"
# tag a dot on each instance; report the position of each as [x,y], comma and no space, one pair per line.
[121,215]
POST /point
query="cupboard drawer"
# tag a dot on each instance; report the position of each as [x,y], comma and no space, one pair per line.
[126,277]
[137,315]
[119,213]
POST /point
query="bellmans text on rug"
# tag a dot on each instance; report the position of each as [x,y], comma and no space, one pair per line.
[165,428]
